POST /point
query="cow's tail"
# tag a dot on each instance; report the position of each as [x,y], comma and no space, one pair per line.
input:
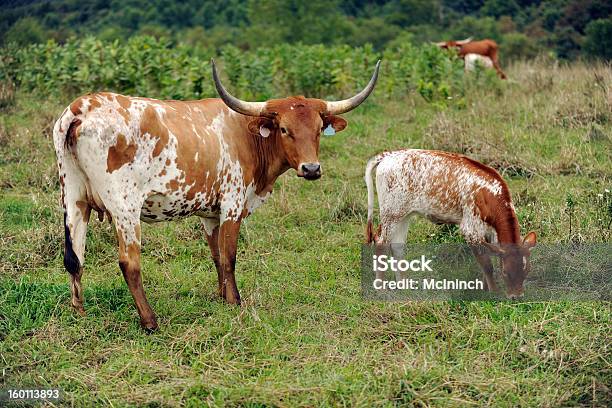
[73,189]
[65,132]
[370,234]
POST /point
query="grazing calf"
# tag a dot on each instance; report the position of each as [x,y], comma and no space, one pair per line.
[449,188]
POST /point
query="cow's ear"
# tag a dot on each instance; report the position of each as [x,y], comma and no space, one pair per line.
[261,126]
[336,122]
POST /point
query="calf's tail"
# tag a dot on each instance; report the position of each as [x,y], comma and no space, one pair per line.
[370,234]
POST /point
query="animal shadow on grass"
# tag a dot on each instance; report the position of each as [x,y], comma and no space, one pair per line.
[26,306]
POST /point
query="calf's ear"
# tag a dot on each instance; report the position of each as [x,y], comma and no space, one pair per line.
[336,122]
[530,240]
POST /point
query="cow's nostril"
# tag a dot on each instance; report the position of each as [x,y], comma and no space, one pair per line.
[311,171]
[311,168]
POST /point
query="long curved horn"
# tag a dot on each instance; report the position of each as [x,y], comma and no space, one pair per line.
[463,42]
[439,44]
[338,107]
[240,106]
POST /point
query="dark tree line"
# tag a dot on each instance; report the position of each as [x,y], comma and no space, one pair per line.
[524,28]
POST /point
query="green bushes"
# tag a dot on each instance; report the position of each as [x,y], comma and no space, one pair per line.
[157,68]
[599,38]
[143,65]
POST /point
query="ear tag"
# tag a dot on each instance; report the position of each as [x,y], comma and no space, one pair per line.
[264,131]
[329,130]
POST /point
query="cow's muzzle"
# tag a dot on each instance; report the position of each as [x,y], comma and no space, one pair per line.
[515,295]
[310,171]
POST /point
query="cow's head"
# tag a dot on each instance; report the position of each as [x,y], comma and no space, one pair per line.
[296,122]
[515,264]
[453,44]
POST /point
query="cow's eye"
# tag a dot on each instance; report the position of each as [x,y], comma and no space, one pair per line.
[283,130]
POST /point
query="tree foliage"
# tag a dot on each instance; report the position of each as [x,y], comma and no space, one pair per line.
[599,38]
[559,26]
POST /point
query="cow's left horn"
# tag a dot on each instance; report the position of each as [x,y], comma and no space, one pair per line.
[338,107]
[240,106]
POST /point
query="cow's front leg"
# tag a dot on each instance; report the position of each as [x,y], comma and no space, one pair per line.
[228,243]
[211,226]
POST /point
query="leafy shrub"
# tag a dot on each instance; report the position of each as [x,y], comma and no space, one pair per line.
[154,67]
[518,46]
[26,30]
[7,95]
[599,38]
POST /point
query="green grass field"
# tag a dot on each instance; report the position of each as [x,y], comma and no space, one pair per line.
[304,336]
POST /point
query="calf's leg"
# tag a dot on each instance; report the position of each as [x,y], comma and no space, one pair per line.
[484,261]
[393,233]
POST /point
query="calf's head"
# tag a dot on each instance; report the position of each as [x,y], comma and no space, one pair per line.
[515,264]
[297,122]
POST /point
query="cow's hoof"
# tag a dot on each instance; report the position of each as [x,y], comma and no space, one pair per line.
[149,326]
[233,300]
[231,297]
[80,310]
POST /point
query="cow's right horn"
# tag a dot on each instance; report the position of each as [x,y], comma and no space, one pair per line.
[238,105]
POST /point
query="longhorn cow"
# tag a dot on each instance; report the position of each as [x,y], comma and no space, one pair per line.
[138,159]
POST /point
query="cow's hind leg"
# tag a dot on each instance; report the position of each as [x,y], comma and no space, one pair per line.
[496,65]
[76,218]
[75,228]
[128,235]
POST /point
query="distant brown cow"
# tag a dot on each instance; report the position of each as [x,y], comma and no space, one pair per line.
[486,48]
